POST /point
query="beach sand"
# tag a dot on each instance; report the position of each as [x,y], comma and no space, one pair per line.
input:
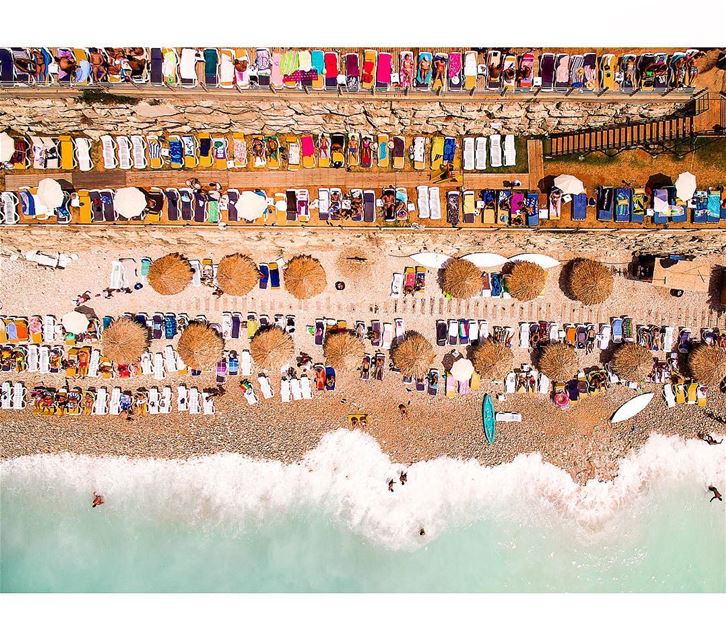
[580,440]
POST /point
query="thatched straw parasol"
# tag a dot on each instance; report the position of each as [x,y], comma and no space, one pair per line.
[200,346]
[170,274]
[413,355]
[237,274]
[590,282]
[461,278]
[305,277]
[708,365]
[526,280]
[124,341]
[558,362]
[272,348]
[343,349]
[492,360]
[632,362]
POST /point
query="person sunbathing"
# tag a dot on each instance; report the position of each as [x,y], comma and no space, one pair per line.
[98,66]
[40,67]
[424,66]
[440,70]
[406,70]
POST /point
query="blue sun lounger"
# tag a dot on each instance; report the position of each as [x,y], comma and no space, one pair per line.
[156,74]
[678,211]
[622,204]
[531,204]
[579,206]
[713,206]
[700,211]
[7,67]
[605,204]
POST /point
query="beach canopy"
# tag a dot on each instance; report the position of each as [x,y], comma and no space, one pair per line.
[461,279]
[430,259]
[343,350]
[632,362]
[200,346]
[237,274]
[492,360]
[485,260]
[7,147]
[50,193]
[129,202]
[251,205]
[74,322]
[462,369]
[708,364]
[272,348]
[558,362]
[685,186]
[170,274]
[569,184]
[413,355]
[526,281]
[124,341]
[305,277]
[590,282]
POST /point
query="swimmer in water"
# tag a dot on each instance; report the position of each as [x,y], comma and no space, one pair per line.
[97,500]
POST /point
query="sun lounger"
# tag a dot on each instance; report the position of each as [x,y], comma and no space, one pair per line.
[369,206]
[83,154]
[622,204]
[330,60]
[525,72]
[562,71]
[547,71]
[124,152]
[605,204]
[579,206]
[471,70]
[114,405]
[383,71]
[369,69]
[423,202]
[188,67]
[469,154]
[510,151]
[434,203]
[352,72]
[495,146]
[52,153]
[424,70]
[6,393]
[193,401]
[139,152]
[494,69]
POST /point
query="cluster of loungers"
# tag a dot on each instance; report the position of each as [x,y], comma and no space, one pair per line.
[353,71]
[292,152]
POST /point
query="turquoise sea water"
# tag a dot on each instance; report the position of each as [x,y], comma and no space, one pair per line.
[161,531]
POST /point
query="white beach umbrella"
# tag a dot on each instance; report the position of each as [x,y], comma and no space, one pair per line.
[462,369]
[685,185]
[129,202]
[50,193]
[546,262]
[7,147]
[251,205]
[431,259]
[74,322]
[569,184]
[485,260]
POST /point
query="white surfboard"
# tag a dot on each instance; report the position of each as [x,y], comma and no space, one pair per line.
[546,262]
[431,259]
[485,260]
[632,407]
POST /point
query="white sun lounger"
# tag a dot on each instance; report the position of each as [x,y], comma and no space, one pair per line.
[138,145]
[33,358]
[9,211]
[434,203]
[114,405]
[423,201]
[667,339]
[510,382]
[483,330]
[108,146]
[226,325]
[524,335]
[495,145]
[182,398]
[117,275]
[245,362]
[323,202]
[158,366]
[6,392]
[510,151]
[52,160]
[197,273]
[194,401]
[265,386]
[124,152]
[669,395]
[419,150]
[543,385]
[169,358]
[19,396]
[295,389]
[603,338]
[93,363]
[152,401]
[187,67]
[38,152]
[396,284]
[44,359]
[226,68]
[208,404]
[83,154]
[147,366]
[165,401]
[554,332]
[180,364]
[387,336]
[481,154]
[469,154]
[100,404]
[306,387]
[48,328]
[285,390]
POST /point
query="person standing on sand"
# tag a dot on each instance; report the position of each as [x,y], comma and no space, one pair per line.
[390,486]
[403,477]
[97,500]
[714,490]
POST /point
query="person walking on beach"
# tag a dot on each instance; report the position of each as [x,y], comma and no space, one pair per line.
[390,486]
[97,500]
[716,493]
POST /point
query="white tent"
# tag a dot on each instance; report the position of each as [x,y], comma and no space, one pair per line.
[569,184]
[462,370]
[74,322]
[7,147]
[129,202]
[50,193]
[686,186]
[251,205]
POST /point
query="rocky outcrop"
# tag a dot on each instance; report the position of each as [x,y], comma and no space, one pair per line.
[276,115]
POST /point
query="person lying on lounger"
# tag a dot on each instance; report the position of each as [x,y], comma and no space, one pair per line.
[439,70]
[407,70]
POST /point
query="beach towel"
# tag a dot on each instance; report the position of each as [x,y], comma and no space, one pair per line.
[531,208]
[352,72]
[383,71]
[590,71]
[455,71]
[562,71]
[517,217]
[577,72]
[713,206]
[211,59]
[605,204]
[331,70]
[579,206]
[405,69]
[622,204]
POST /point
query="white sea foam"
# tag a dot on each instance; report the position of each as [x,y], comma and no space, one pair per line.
[346,478]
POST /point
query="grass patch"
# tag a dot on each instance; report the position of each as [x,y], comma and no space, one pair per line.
[713,152]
